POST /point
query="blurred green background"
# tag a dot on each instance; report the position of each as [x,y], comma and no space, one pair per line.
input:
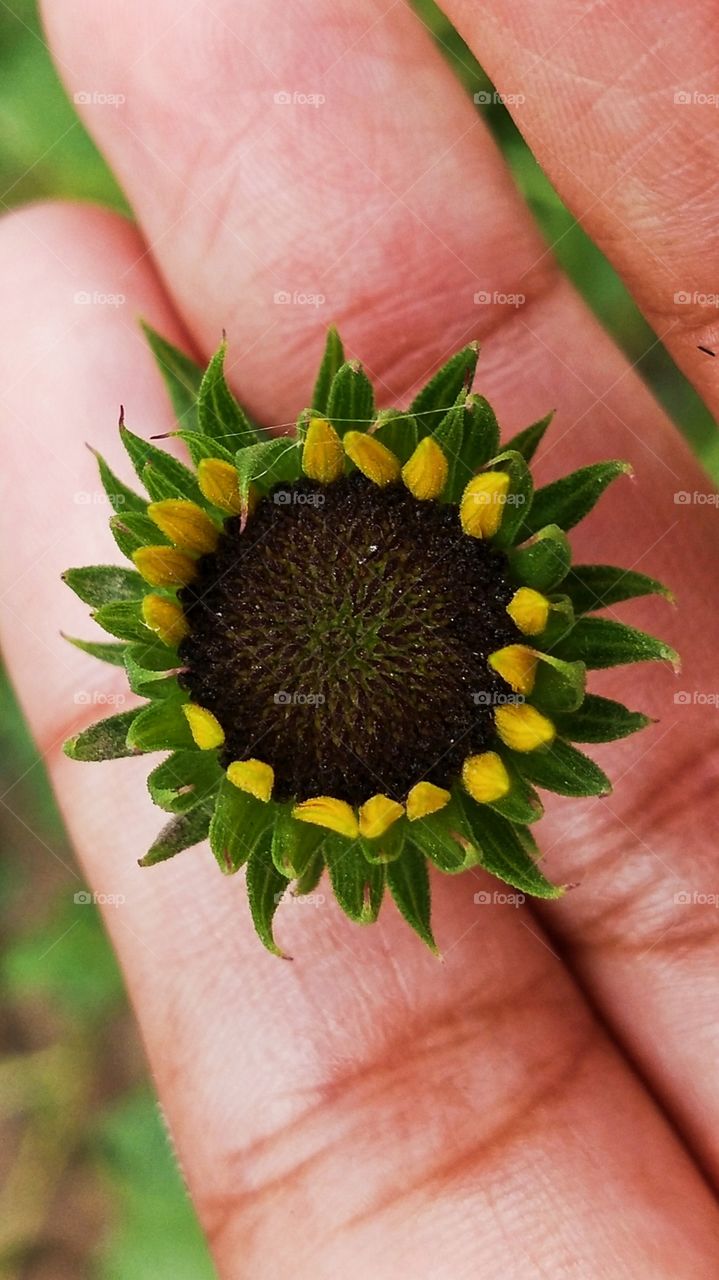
[88,1186]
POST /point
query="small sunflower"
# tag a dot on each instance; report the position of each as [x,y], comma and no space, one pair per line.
[364,644]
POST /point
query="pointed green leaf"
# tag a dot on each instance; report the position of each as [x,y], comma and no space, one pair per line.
[219,415]
[438,837]
[310,877]
[239,823]
[398,432]
[200,447]
[528,441]
[443,388]
[449,435]
[120,497]
[152,656]
[133,531]
[602,642]
[558,685]
[265,465]
[100,584]
[166,476]
[182,832]
[508,852]
[122,618]
[265,888]
[519,495]
[332,361]
[408,883]
[161,727]
[593,586]
[350,405]
[567,501]
[294,844]
[112,653]
[104,740]
[182,376]
[481,436]
[542,562]
[600,720]
[561,768]
[357,884]
[185,779]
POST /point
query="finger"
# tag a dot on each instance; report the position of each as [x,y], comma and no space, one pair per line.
[618,104]
[400,321]
[363,1088]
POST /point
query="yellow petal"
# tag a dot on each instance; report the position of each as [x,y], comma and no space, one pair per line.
[522,727]
[372,458]
[322,456]
[529,610]
[482,504]
[164,566]
[218,483]
[185,524]
[253,776]
[204,727]
[485,777]
[377,815]
[166,618]
[517,664]
[425,798]
[324,811]
[425,474]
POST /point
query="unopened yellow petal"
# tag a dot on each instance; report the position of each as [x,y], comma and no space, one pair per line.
[425,798]
[425,474]
[324,811]
[372,458]
[218,483]
[322,456]
[522,727]
[185,524]
[377,815]
[485,777]
[517,664]
[253,776]
[482,504]
[164,566]
[204,727]
[166,618]
[529,610]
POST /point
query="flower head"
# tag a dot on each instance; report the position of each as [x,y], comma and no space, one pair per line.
[363,645]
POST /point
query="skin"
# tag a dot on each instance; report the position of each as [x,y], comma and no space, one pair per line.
[542,1103]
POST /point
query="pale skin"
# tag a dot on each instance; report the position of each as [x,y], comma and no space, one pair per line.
[543,1103]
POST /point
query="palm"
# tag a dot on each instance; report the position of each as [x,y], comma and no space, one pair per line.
[542,1101]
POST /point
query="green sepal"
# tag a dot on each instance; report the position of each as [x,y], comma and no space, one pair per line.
[268,464]
[265,888]
[528,441]
[185,779]
[508,852]
[166,476]
[443,388]
[521,804]
[519,495]
[561,768]
[481,434]
[238,823]
[112,653]
[200,447]
[398,432]
[219,415]
[100,584]
[408,882]
[182,832]
[436,836]
[387,847]
[449,435]
[559,623]
[543,562]
[594,586]
[600,720]
[121,498]
[182,376]
[332,361]
[350,404]
[310,877]
[153,685]
[357,884]
[105,739]
[161,726]
[567,501]
[559,686]
[294,844]
[152,656]
[133,531]
[602,642]
[122,618]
